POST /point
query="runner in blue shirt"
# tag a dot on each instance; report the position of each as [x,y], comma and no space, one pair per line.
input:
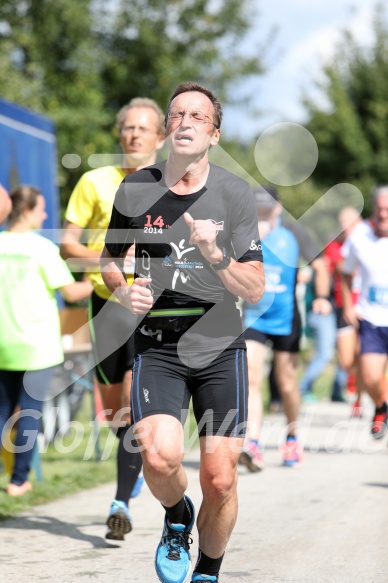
[276,320]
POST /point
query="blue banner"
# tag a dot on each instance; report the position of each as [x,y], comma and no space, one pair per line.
[28,155]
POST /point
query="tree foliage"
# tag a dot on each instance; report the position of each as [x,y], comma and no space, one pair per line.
[352,133]
[50,62]
[79,61]
[154,45]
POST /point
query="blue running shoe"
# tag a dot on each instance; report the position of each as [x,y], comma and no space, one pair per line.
[172,559]
[119,521]
[138,486]
[197,577]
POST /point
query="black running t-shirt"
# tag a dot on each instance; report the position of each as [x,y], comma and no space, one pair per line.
[147,213]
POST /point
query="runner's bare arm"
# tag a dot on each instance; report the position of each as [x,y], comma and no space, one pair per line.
[245,280]
[349,313]
[137,297]
[76,291]
[78,254]
[72,249]
[321,304]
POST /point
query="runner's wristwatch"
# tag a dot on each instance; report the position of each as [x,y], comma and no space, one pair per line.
[223,264]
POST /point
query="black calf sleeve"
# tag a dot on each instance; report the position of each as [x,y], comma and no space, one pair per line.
[129,463]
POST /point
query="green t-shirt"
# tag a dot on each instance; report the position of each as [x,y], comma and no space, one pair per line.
[31,269]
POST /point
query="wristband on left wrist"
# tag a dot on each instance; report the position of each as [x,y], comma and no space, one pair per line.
[225,261]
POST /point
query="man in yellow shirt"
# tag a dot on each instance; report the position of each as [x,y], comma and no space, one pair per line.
[141,127]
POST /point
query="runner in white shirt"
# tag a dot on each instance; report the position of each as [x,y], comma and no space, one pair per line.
[368,250]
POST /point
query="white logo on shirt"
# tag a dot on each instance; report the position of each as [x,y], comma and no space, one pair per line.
[180,250]
[255,247]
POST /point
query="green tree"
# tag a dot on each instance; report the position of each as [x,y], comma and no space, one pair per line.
[50,63]
[152,45]
[79,61]
[352,132]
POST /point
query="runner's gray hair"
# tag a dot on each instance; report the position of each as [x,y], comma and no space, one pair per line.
[377,191]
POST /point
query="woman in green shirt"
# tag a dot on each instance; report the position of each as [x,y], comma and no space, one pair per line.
[31,271]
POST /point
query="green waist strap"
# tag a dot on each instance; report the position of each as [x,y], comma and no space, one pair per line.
[176,312]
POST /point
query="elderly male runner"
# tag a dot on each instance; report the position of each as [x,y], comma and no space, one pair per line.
[367,250]
[197,248]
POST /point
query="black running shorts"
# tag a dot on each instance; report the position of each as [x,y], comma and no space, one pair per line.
[163,384]
[287,343]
